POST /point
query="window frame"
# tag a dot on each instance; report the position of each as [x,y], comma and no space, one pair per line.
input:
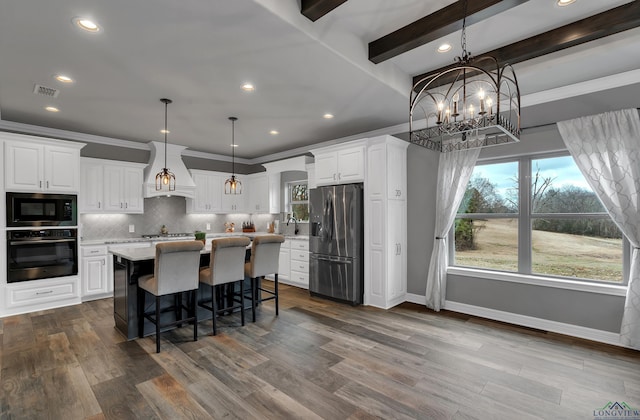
[525,217]
[289,202]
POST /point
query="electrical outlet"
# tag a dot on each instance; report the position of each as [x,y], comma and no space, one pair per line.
[132,228]
[208,226]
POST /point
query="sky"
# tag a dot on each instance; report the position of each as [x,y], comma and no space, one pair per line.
[562,170]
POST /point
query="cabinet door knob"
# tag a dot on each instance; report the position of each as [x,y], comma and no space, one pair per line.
[47,184]
[40,184]
[99,204]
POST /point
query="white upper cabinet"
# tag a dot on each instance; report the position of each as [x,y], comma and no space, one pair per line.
[208,193]
[263,193]
[41,165]
[258,193]
[109,186]
[235,203]
[342,164]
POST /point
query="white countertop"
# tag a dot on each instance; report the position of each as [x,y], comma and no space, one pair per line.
[145,253]
[112,241]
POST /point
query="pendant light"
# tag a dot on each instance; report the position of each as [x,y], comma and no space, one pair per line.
[165,179]
[233,185]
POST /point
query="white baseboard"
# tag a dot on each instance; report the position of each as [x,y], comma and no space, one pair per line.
[526,321]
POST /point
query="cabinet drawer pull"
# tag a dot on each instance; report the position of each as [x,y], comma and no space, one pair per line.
[47,184]
[44,293]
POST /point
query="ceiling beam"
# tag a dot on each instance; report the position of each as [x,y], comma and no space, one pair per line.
[437,25]
[607,23]
[315,9]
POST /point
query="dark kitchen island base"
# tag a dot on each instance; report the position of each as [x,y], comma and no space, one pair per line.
[125,293]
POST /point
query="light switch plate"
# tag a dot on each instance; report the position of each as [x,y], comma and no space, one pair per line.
[208,226]
[132,228]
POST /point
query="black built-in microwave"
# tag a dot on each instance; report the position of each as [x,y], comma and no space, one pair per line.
[37,209]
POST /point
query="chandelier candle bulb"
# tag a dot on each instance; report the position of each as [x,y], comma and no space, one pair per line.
[440,107]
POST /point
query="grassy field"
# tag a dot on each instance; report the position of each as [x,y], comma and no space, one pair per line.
[557,254]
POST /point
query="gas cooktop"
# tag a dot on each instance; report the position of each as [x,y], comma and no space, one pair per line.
[168,235]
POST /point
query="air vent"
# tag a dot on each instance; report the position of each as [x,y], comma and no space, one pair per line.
[45,91]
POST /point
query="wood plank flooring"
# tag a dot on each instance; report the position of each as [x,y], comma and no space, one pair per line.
[317,360]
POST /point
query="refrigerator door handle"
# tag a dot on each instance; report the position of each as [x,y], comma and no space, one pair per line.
[331,259]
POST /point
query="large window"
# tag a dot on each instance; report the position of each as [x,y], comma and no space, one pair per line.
[537,216]
[298,200]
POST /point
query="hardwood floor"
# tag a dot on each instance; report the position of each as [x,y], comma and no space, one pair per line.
[318,359]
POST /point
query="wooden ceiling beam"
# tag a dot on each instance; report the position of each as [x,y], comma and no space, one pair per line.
[315,9]
[598,26]
[437,25]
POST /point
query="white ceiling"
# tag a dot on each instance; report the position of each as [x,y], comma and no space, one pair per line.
[198,53]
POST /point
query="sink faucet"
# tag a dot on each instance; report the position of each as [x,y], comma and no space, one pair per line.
[293,219]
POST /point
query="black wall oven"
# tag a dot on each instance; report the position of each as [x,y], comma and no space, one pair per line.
[40,254]
[36,209]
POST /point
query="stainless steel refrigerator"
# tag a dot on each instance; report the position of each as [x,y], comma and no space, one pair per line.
[336,242]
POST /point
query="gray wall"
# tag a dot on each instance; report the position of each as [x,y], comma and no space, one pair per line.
[101,151]
[422,181]
[590,310]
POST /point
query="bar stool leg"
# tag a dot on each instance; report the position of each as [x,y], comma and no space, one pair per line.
[253,298]
[193,297]
[276,290]
[241,301]
[215,307]
[157,324]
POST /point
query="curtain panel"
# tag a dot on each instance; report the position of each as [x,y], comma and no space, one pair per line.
[606,148]
[454,171]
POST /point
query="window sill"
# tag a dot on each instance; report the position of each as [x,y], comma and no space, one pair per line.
[582,286]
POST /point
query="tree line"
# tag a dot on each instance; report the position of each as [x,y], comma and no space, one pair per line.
[482,196]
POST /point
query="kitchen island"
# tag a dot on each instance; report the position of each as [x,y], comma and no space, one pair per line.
[128,265]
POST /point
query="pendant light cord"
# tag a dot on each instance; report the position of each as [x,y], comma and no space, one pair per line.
[166,104]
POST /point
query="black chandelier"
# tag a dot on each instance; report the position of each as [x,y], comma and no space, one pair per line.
[165,179]
[233,185]
[476,103]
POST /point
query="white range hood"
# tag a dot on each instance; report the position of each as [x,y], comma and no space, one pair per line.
[185,187]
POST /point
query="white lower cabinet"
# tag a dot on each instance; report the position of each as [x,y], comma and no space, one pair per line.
[283,262]
[299,263]
[94,276]
[293,265]
[35,295]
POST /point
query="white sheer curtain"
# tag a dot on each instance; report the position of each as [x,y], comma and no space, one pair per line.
[606,148]
[454,171]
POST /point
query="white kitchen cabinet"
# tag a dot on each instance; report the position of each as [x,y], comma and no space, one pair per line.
[235,203]
[283,262]
[263,193]
[109,186]
[94,277]
[299,263]
[258,193]
[342,164]
[385,223]
[37,295]
[274,192]
[43,166]
[208,193]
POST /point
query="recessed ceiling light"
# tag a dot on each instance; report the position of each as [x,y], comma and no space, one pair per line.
[52,109]
[327,116]
[248,87]
[233,145]
[64,79]
[444,48]
[86,24]
[565,2]
[274,132]
[163,131]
